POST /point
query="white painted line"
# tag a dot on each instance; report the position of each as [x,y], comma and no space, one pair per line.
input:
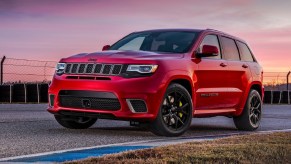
[272,131]
[187,139]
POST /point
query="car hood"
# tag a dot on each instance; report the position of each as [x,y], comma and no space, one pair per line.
[105,55]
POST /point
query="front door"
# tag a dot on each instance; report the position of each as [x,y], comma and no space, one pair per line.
[212,79]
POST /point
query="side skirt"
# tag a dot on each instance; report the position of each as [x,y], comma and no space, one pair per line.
[214,112]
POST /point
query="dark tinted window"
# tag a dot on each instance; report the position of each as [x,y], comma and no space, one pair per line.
[245,52]
[213,41]
[230,51]
[157,41]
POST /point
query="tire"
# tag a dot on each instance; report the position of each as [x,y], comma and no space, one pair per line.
[75,123]
[251,116]
[175,113]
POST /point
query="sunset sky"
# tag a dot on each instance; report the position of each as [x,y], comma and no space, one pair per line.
[52,29]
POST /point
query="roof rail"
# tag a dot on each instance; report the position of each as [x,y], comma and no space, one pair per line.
[213,30]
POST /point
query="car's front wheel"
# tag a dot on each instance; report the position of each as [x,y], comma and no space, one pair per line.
[175,114]
[252,113]
[75,123]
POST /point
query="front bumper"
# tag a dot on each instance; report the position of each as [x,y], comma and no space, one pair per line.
[148,89]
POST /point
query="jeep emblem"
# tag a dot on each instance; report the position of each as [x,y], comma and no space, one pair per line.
[92,59]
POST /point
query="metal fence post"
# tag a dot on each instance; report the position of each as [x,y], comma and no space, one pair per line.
[1,73]
[288,87]
[288,80]
[44,71]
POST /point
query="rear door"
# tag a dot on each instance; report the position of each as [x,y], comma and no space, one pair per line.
[238,73]
[248,60]
[211,86]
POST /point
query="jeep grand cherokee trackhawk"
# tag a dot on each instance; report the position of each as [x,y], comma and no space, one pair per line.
[160,78]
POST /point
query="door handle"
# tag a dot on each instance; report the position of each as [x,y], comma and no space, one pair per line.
[223,64]
[245,66]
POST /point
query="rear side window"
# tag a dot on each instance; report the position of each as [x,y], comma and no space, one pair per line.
[245,52]
[213,41]
[230,51]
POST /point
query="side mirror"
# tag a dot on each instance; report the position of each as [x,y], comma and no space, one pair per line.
[207,51]
[106,47]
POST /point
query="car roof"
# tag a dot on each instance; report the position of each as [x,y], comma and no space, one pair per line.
[194,30]
[177,29]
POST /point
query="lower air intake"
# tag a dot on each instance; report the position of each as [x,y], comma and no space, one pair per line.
[136,105]
[88,100]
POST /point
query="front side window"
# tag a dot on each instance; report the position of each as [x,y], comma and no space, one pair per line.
[230,51]
[157,41]
[213,41]
[245,52]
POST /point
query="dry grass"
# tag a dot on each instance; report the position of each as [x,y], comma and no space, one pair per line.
[256,148]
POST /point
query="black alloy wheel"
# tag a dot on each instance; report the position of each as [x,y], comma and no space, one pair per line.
[252,113]
[175,113]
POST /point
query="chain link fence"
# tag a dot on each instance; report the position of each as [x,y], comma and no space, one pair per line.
[27,71]
[276,81]
[38,71]
[27,81]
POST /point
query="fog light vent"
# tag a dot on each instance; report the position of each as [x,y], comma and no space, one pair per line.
[52,100]
[136,105]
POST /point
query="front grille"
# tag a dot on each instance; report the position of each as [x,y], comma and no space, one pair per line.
[90,68]
[88,100]
[137,106]
[95,103]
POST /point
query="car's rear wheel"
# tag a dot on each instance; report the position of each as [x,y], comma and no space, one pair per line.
[175,114]
[75,122]
[251,116]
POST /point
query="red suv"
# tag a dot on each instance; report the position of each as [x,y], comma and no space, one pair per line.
[160,78]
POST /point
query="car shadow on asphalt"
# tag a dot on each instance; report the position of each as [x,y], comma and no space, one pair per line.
[194,130]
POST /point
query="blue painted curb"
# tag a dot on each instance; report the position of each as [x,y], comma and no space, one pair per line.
[79,154]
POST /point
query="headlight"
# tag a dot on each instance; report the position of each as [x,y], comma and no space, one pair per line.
[60,69]
[142,68]
[139,71]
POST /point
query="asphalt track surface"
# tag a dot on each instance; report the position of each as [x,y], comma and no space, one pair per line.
[29,129]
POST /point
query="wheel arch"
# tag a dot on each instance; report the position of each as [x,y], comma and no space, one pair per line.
[185,83]
[256,85]
[258,88]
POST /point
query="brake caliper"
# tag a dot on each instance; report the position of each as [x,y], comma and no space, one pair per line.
[180,105]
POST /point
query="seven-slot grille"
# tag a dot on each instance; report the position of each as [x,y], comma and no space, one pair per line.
[93,68]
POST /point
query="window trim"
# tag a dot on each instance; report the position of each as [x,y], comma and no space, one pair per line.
[254,59]
[220,39]
[219,44]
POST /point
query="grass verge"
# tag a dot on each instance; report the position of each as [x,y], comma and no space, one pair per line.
[254,148]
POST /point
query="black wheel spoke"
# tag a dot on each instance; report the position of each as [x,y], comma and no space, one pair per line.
[252,115]
[179,99]
[257,107]
[180,120]
[256,101]
[183,112]
[175,98]
[166,115]
[176,122]
[183,107]
[168,100]
[255,110]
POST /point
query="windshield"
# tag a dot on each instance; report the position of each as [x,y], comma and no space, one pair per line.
[166,41]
